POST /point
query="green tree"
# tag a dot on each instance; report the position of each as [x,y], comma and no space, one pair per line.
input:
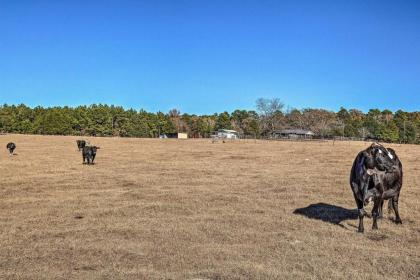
[54,122]
[223,121]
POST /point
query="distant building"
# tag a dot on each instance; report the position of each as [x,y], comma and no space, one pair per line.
[293,134]
[182,135]
[174,135]
[227,134]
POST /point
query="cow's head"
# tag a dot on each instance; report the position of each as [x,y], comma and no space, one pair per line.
[380,158]
[374,185]
[377,160]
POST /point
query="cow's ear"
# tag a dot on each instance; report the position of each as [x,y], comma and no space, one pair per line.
[392,152]
[373,147]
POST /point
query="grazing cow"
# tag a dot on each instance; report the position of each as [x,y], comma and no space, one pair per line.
[89,154]
[80,144]
[11,147]
[376,175]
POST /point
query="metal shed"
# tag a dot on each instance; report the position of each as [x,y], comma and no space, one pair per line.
[293,134]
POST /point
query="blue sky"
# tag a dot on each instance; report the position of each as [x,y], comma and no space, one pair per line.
[211,56]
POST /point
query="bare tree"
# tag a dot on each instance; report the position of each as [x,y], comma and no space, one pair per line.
[271,114]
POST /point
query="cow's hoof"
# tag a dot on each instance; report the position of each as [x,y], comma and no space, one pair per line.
[374,227]
[398,222]
[360,230]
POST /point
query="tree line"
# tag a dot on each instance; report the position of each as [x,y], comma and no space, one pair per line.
[269,115]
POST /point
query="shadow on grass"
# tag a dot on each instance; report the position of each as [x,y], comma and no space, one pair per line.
[327,213]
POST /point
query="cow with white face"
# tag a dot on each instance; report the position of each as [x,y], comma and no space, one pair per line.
[11,147]
[376,175]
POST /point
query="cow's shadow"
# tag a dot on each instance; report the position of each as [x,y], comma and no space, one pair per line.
[327,213]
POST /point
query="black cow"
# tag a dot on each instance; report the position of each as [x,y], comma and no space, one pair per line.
[376,175]
[89,154]
[80,144]
[11,147]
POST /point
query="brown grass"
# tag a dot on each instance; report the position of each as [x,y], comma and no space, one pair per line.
[168,209]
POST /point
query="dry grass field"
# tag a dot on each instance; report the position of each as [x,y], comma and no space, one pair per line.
[192,209]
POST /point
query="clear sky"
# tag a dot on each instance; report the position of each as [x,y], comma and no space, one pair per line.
[210,56]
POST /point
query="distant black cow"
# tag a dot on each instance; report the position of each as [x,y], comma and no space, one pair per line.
[80,144]
[376,175]
[11,147]
[89,154]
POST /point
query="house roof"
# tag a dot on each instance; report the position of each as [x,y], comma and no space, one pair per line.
[227,130]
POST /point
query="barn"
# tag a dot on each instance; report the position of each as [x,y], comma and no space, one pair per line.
[294,134]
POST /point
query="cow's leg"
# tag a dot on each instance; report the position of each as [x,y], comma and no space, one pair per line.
[84,159]
[380,210]
[93,158]
[375,212]
[361,213]
[390,206]
[395,206]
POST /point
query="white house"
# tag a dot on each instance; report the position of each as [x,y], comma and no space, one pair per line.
[227,134]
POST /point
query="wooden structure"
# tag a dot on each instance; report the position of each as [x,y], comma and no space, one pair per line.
[293,134]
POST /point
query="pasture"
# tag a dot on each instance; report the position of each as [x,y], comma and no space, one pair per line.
[192,209]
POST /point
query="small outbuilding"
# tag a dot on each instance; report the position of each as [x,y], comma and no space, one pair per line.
[294,134]
[227,134]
